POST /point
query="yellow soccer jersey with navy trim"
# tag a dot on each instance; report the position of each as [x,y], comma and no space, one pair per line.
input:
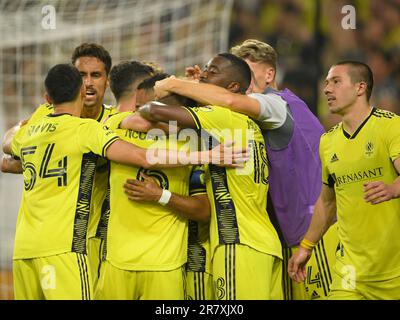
[58,154]
[199,259]
[238,197]
[41,111]
[145,235]
[368,234]
[100,180]
[102,166]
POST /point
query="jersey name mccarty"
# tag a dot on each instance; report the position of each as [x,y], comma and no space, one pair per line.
[139,135]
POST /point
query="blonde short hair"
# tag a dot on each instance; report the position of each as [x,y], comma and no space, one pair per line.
[154,66]
[256,51]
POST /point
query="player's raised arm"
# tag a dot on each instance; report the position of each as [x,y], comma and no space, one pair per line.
[209,94]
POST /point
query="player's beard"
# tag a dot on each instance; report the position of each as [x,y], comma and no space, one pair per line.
[93,100]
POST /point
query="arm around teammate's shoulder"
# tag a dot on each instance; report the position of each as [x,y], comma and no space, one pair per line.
[206,93]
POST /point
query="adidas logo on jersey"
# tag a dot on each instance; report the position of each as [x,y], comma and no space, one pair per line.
[334,158]
[315,295]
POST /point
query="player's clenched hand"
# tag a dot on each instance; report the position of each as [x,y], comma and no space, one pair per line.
[146,190]
[377,191]
[162,87]
[193,73]
[11,165]
[297,264]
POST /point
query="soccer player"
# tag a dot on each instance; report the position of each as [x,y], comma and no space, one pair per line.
[146,89]
[146,243]
[58,154]
[124,81]
[133,73]
[245,248]
[199,284]
[291,134]
[360,174]
[94,63]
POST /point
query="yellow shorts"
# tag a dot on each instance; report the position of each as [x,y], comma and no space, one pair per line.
[319,275]
[199,286]
[119,284]
[95,251]
[243,273]
[61,277]
[342,289]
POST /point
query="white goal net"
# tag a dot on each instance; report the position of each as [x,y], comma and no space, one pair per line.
[38,34]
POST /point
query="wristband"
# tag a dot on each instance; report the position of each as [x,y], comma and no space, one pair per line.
[165,196]
[306,244]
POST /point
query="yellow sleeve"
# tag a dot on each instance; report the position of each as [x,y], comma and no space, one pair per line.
[16,142]
[211,117]
[95,137]
[392,137]
[15,145]
[114,120]
[41,111]
[326,176]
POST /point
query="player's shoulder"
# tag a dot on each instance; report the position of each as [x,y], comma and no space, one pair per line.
[384,115]
[106,111]
[206,108]
[85,122]
[46,106]
[332,131]
[386,122]
[116,118]
[43,109]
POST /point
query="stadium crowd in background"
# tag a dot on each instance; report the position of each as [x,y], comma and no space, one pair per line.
[289,26]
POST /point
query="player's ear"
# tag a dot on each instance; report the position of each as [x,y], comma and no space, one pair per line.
[234,87]
[362,88]
[48,99]
[270,75]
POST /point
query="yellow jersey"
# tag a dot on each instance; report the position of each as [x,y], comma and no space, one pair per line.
[369,244]
[145,235]
[100,181]
[58,154]
[238,197]
[199,259]
[102,166]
